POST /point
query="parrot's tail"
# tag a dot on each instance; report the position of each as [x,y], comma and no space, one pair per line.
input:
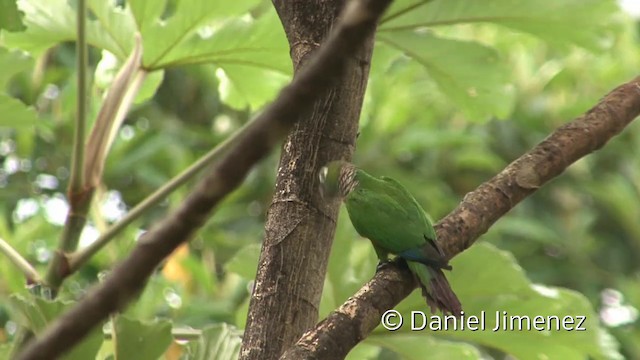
[436,289]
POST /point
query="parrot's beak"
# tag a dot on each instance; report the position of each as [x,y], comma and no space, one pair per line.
[322,177]
[322,174]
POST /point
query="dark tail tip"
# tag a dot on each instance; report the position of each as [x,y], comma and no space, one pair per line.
[439,294]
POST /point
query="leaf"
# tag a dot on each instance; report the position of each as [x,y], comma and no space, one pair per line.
[54,21]
[242,86]
[255,42]
[580,22]
[12,63]
[15,114]
[468,72]
[489,281]
[416,346]
[114,27]
[146,12]
[10,17]
[352,262]
[245,261]
[151,83]
[220,342]
[135,339]
[181,36]
[364,351]
[36,313]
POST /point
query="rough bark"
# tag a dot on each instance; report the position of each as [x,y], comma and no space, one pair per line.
[251,145]
[336,335]
[300,226]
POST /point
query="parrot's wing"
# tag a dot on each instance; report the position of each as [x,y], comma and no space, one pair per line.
[431,254]
[410,201]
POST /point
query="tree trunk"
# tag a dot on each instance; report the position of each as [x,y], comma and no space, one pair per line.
[300,225]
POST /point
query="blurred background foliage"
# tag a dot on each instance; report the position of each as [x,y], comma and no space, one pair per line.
[456,92]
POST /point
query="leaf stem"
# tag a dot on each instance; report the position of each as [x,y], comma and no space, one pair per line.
[76,182]
[79,258]
[20,262]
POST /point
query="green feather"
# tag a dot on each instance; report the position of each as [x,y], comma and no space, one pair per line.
[383,211]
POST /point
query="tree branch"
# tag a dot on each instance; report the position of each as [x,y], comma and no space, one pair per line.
[299,222]
[336,335]
[128,278]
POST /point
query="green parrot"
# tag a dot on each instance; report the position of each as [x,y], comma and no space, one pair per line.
[386,213]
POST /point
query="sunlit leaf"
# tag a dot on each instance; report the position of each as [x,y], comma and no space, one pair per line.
[239,88]
[582,22]
[15,114]
[491,284]
[36,313]
[220,341]
[245,261]
[146,12]
[10,17]
[52,22]
[135,339]
[417,347]
[469,73]
[191,34]
[12,63]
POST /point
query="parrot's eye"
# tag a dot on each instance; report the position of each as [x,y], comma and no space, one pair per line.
[323,174]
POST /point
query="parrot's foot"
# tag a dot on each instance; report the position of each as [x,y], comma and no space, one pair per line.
[383,264]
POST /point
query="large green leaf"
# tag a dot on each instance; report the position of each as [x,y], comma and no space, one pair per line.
[244,48]
[242,86]
[199,31]
[36,313]
[146,12]
[15,114]
[220,341]
[245,261]
[582,22]
[351,264]
[114,27]
[12,63]
[52,22]
[141,340]
[254,42]
[10,17]
[468,72]
[489,281]
[417,347]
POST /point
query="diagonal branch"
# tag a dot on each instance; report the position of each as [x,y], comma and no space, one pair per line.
[336,335]
[128,278]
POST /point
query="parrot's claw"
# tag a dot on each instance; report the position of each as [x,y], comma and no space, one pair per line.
[382,264]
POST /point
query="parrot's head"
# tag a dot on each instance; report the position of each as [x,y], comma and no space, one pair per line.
[337,178]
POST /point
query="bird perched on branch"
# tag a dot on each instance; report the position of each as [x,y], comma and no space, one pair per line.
[383,211]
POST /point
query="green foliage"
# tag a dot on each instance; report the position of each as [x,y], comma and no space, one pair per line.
[137,340]
[442,72]
[501,286]
[15,114]
[479,93]
[557,22]
[36,313]
[10,17]
[218,341]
